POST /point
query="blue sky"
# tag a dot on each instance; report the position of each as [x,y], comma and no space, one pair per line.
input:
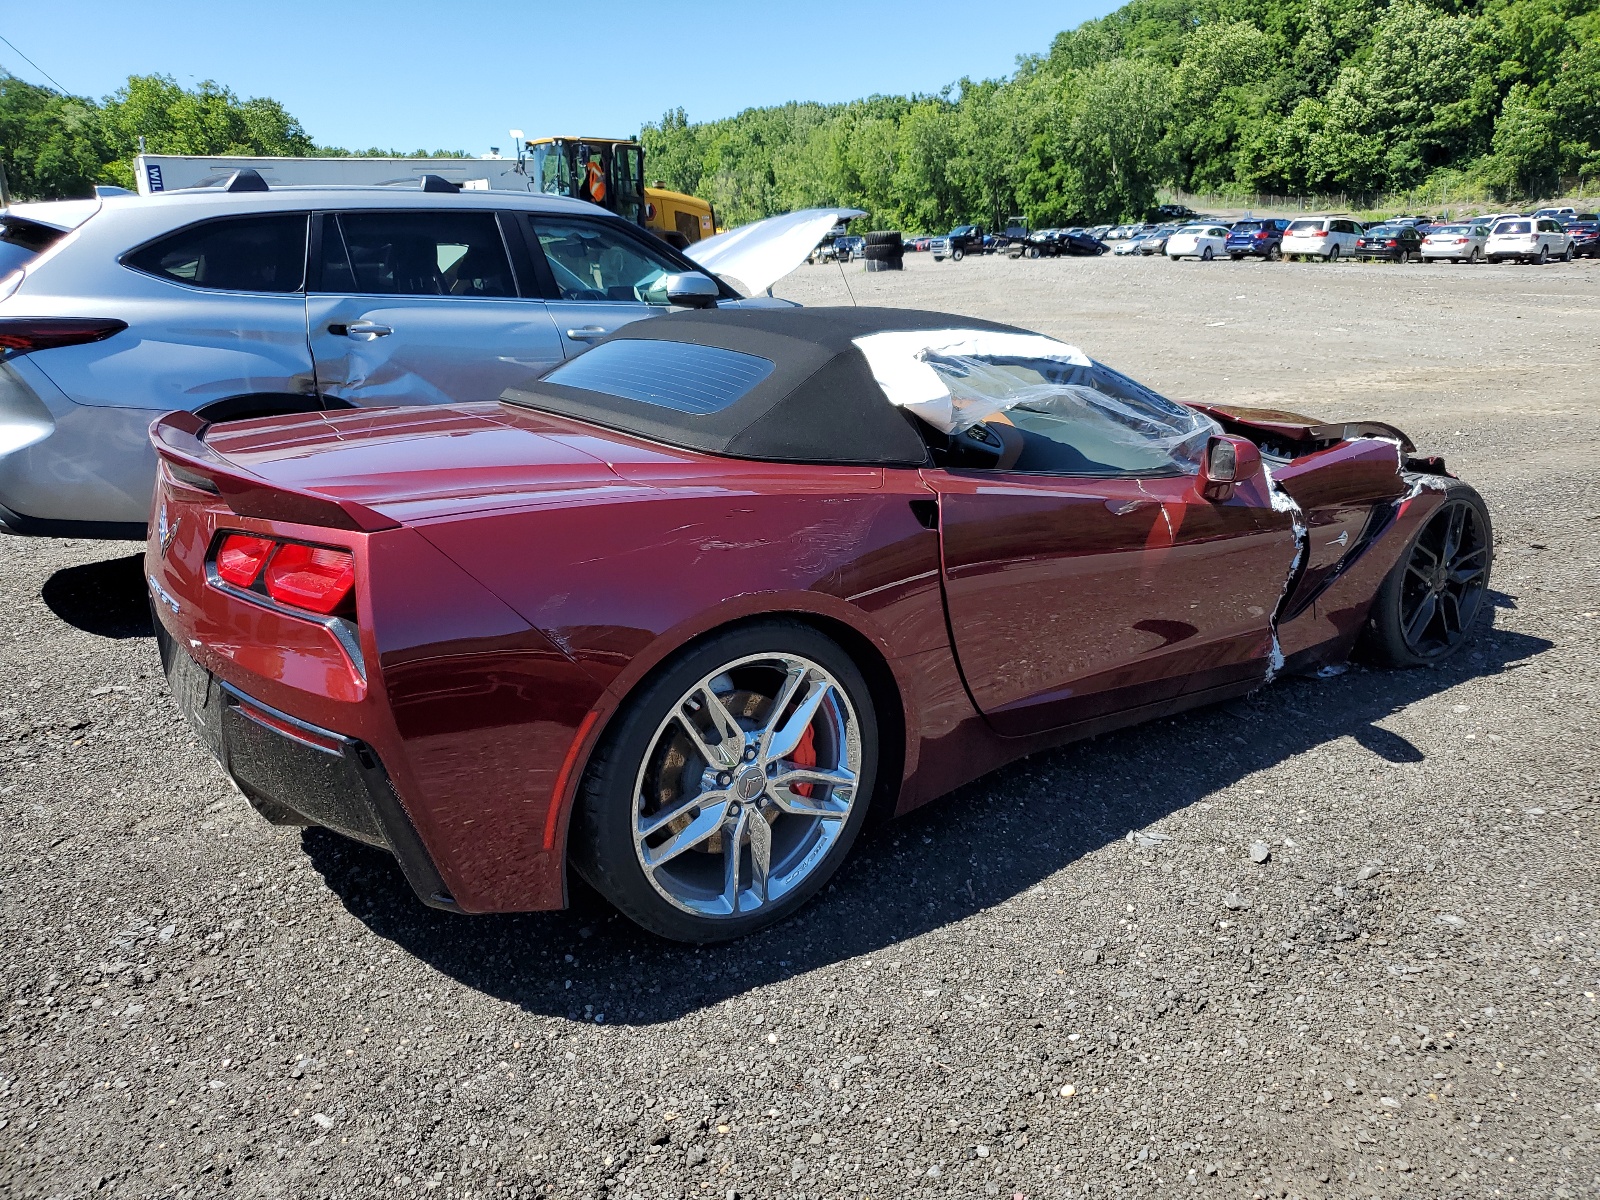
[404,74]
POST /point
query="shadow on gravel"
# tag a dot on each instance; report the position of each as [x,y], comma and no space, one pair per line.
[976,848]
[106,598]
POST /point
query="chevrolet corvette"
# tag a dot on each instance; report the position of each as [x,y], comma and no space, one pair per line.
[686,611]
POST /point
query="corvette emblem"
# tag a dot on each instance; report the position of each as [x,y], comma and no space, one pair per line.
[165,532]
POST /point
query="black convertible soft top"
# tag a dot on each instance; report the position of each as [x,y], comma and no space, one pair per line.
[817,402]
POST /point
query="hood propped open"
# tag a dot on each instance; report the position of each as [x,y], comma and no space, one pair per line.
[753,257]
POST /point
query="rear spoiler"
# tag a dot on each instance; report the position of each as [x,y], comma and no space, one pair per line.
[1296,429]
[179,439]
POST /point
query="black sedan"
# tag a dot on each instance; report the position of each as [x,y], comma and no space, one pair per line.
[1053,243]
[1585,237]
[1396,243]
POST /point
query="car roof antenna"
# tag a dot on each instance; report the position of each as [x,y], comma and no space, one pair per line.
[842,276]
[246,179]
[438,183]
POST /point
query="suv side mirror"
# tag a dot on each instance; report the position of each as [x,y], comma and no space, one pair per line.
[1228,462]
[690,289]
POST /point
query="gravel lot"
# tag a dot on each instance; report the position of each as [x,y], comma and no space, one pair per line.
[1069,978]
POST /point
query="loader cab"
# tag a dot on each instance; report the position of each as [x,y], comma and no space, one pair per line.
[603,171]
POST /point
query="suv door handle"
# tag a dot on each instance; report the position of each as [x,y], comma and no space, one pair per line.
[587,333]
[362,331]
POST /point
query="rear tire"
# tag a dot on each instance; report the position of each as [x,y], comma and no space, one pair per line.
[1544,255]
[1430,603]
[1206,255]
[1474,257]
[666,786]
[1333,255]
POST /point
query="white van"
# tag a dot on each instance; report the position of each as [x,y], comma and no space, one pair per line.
[1327,238]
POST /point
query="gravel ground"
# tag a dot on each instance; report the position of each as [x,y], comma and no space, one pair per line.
[1069,978]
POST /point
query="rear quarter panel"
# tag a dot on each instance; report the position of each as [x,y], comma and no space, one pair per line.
[621,580]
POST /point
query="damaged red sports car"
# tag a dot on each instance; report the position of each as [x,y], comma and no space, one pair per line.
[685,611]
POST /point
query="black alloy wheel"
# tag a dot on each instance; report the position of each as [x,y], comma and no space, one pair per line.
[1427,607]
[1333,254]
[1544,255]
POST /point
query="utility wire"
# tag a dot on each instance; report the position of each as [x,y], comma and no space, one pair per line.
[33,64]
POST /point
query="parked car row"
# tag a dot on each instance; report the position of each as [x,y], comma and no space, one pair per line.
[1501,238]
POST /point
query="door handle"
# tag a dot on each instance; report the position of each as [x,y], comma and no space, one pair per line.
[362,331]
[587,333]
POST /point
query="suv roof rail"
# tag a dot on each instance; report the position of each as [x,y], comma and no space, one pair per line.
[438,183]
[246,179]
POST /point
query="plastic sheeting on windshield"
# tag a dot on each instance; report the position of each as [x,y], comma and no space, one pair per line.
[954,379]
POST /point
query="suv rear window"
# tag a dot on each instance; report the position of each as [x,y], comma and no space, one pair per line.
[1312,226]
[1247,226]
[22,241]
[237,254]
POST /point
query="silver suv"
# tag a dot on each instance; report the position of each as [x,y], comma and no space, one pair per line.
[240,303]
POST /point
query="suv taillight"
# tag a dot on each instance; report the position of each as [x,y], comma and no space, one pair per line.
[318,579]
[25,334]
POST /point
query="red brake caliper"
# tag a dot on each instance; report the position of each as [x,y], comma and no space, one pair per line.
[805,755]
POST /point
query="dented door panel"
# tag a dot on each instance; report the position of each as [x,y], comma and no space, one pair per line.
[1074,598]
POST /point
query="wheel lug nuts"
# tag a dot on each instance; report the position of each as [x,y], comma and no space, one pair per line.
[724,779]
[749,753]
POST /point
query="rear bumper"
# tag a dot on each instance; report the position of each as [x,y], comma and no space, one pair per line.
[70,470]
[295,773]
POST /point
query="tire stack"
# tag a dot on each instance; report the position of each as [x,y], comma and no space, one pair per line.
[884,251]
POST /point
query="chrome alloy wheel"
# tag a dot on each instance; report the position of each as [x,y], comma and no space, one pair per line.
[747,784]
[1445,581]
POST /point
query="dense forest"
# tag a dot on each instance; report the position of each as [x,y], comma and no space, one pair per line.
[54,145]
[1496,98]
[1493,98]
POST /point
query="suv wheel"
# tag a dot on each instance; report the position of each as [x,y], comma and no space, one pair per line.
[1332,255]
[1544,255]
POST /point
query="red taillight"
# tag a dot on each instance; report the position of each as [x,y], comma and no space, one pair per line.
[1391,242]
[24,334]
[311,577]
[241,557]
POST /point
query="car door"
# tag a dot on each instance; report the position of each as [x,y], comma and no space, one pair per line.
[422,306]
[1076,591]
[599,275]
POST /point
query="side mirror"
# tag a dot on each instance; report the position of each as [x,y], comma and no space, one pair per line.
[690,289]
[1228,461]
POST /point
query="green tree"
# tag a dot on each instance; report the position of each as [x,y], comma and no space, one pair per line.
[210,119]
[50,144]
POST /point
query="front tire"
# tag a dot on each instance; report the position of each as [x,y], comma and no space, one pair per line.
[956,255]
[732,784]
[1427,607]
